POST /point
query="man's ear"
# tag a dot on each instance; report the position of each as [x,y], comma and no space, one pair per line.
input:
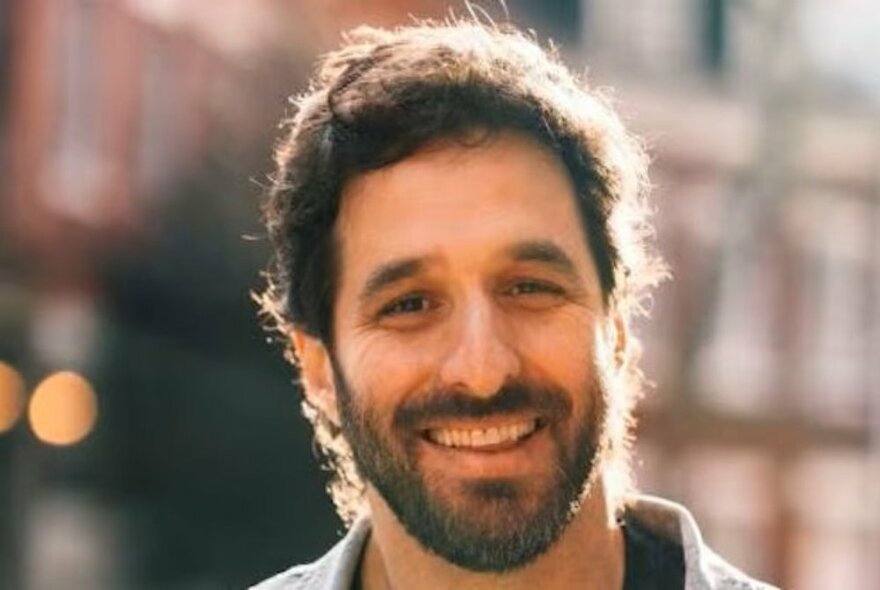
[316,373]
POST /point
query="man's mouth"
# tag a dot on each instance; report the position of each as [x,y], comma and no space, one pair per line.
[483,438]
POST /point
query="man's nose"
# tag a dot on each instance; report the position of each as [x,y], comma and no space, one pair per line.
[480,358]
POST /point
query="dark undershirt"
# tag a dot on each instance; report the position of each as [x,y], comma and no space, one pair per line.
[652,562]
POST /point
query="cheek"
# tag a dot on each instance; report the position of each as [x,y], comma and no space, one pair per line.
[390,368]
[561,348]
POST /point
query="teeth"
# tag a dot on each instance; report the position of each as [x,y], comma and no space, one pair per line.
[481,437]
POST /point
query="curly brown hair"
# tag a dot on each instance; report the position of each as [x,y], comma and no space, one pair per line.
[386,93]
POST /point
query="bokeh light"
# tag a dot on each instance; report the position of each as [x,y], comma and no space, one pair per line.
[63,409]
[11,396]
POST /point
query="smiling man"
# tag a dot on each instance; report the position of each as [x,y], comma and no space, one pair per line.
[459,233]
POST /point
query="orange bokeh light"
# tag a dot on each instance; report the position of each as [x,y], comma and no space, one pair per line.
[11,396]
[63,409]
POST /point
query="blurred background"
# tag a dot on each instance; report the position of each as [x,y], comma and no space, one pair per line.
[150,437]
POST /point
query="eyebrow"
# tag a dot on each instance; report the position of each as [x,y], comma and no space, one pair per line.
[390,273]
[545,252]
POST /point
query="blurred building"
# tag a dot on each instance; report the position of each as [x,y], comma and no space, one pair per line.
[136,134]
[763,122]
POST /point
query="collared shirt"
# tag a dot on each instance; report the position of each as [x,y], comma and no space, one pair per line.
[704,570]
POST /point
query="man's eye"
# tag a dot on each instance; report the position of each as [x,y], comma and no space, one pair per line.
[534,287]
[408,304]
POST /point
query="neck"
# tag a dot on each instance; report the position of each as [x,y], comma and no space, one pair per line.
[588,555]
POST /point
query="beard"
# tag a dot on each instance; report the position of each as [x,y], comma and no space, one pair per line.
[489,524]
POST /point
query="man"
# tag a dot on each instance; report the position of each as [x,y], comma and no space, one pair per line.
[459,233]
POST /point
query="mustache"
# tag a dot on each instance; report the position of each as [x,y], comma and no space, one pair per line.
[514,397]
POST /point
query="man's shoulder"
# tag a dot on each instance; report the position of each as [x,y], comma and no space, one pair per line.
[724,576]
[333,571]
[704,569]
[297,577]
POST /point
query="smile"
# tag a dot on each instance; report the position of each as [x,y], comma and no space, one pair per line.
[482,438]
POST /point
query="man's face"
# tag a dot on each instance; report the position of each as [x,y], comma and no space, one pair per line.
[469,341]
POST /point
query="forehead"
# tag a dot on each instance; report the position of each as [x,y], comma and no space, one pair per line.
[460,204]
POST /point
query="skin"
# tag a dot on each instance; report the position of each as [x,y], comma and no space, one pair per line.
[464,303]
